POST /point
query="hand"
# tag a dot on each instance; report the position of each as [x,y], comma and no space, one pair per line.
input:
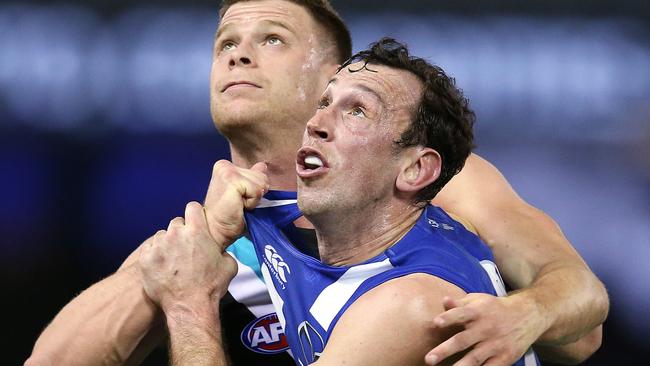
[232,189]
[497,330]
[183,265]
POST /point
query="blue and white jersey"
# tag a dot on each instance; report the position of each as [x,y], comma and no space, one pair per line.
[309,296]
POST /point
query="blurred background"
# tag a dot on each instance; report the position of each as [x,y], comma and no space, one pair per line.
[105,133]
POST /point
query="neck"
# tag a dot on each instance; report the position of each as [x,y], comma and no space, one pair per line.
[278,152]
[281,166]
[345,239]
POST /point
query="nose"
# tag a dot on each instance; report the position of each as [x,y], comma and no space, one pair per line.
[243,55]
[319,126]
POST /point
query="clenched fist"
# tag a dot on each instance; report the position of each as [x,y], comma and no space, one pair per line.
[184,265]
[233,189]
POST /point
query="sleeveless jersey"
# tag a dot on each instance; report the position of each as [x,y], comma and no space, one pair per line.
[310,296]
[252,334]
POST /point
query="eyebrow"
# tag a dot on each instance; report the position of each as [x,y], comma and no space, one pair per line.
[276,23]
[362,87]
[221,30]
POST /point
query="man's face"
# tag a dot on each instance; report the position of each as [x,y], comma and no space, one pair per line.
[268,66]
[349,159]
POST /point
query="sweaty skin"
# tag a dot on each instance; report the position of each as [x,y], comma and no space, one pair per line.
[265,43]
[546,270]
[113,322]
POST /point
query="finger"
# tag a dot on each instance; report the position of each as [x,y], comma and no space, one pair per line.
[148,250]
[149,242]
[455,316]
[250,193]
[255,187]
[251,202]
[449,303]
[477,356]
[257,177]
[176,222]
[195,216]
[465,300]
[458,343]
[158,236]
[496,361]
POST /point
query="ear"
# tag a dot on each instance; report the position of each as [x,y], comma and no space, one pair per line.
[420,169]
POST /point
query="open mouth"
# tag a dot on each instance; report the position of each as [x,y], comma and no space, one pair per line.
[310,163]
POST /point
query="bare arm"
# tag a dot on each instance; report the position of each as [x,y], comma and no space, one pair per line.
[571,353]
[110,323]
[186,273]
[367,334]
[186,270]
[559,297]
[195,334]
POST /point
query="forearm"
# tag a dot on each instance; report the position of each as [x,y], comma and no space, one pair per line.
[103,325]
[195,334]
[570,299]
[558,299]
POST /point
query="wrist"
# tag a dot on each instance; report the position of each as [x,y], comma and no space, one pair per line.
[223,234]
[194,332]
[194,312]
[536,315]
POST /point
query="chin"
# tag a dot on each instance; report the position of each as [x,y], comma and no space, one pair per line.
[236,115]
[313,204]
[307,204]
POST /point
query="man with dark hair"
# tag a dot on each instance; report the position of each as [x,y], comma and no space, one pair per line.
[270,67]
[380,241]
[442,119]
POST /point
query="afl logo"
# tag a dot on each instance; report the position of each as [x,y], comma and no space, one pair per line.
[279,266]
[265,335]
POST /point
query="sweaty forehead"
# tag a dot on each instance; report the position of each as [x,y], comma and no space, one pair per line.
[392,85]
[276,10]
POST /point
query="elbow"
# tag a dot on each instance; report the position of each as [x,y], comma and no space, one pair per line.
[602,301]
[39,359]
[590,343]
[574,353]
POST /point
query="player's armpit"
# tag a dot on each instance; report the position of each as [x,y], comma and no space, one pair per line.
[391,324]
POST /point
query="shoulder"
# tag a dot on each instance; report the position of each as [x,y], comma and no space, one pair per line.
[478,182]
[482,197]
[408,296]
[400,309]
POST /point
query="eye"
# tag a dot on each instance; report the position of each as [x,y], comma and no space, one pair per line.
[324,103]
[357,112]
[273,40]
[227,46]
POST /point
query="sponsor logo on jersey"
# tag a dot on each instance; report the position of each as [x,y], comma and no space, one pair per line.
[311,344]
[436,225]
[265,335]
[276,264]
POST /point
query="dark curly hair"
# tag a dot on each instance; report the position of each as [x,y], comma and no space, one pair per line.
[442,120]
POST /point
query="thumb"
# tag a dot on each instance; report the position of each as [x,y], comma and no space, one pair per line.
[260,167]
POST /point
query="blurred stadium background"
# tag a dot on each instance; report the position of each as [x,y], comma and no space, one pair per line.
[105,133]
